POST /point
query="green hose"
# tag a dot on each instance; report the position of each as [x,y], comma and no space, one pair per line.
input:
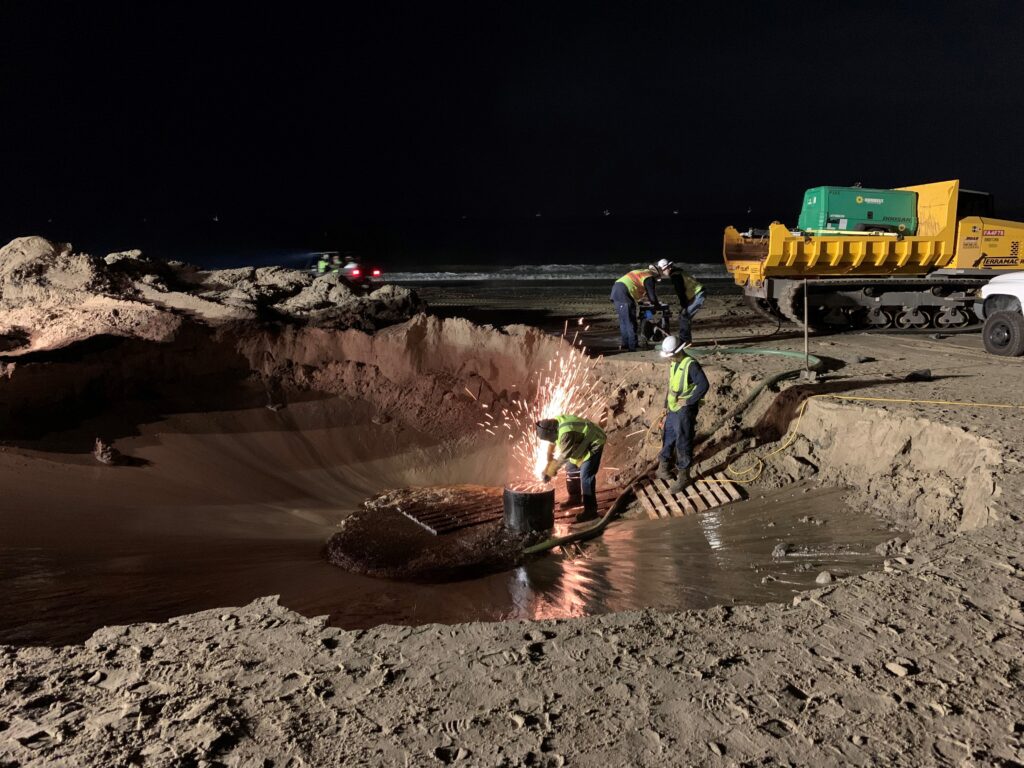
[812,361]
[623,499]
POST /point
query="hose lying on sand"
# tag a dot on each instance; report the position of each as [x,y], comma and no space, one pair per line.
[627,495]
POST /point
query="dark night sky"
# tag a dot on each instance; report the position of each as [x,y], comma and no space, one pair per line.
[288,121]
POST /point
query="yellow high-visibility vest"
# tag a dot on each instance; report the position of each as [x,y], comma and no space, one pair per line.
[679,386]
[593,436]
[692,287]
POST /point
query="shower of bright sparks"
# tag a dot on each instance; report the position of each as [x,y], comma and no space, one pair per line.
[567,384]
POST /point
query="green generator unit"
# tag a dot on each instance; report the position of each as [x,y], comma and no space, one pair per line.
[853,209]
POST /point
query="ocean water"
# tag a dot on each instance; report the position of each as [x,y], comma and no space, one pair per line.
[482,272]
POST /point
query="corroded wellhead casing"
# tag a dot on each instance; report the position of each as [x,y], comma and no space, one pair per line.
[529,511]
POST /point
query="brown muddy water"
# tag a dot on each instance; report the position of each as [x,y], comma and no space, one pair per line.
[233,505]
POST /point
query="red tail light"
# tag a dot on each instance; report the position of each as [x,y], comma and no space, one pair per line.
[356,272]
[376,273]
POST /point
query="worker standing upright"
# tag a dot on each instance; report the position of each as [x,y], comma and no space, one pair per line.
[578,443]
[691,297]
[626,292]
[687,384]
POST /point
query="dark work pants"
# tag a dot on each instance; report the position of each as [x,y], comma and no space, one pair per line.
[686,317]
[678,436]
[582,480]
[625,308]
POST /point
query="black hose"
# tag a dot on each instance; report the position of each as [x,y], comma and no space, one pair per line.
[616,509]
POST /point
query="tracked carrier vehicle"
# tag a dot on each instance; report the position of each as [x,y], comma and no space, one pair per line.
[915,259]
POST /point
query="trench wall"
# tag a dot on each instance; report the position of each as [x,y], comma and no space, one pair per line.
[922,474]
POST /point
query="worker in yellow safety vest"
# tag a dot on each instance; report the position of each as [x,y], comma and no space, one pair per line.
[626,292]
[687,384]
[691,297]
[578,443]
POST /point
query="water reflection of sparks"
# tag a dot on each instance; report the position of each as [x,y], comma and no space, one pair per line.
[579,585]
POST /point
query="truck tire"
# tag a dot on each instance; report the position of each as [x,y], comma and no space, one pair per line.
[1003,333]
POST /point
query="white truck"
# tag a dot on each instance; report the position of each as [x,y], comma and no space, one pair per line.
[1002,306]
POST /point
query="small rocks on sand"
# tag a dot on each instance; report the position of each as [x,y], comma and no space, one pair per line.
[105,453]
[892,547]
[901,667]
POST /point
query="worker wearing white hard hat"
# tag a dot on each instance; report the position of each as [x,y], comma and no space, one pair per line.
[690,293]
[687,385]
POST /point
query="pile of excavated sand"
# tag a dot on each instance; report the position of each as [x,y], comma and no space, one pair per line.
[52,296]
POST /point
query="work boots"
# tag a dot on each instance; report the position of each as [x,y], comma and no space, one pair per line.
[573,491]
[664,471]
[682,480]
[589,510]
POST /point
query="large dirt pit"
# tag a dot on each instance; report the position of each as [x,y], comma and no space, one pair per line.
[224,506]
[242,450]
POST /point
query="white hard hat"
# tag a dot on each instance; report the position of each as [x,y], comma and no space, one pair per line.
[670,346]
[664,265]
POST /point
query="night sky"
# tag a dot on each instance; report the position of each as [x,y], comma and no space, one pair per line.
[435,129]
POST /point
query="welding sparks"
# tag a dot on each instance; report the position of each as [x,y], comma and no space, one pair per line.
[567,384]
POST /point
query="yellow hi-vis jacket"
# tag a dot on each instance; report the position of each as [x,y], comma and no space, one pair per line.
[577,440]
[634,282]
[679,386]
[692,287]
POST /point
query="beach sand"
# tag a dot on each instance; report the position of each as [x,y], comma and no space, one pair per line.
[913,663]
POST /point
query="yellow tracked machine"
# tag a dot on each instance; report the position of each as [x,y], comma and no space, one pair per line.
[908,258]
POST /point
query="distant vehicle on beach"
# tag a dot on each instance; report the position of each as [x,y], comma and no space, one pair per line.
[353,270]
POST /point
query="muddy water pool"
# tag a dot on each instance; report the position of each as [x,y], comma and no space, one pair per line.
[236,505]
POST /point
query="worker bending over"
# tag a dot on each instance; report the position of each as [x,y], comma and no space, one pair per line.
[687,384]
[626,292]
[691,297]
[579,443]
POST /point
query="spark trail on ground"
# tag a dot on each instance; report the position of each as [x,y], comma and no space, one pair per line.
[566,385]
